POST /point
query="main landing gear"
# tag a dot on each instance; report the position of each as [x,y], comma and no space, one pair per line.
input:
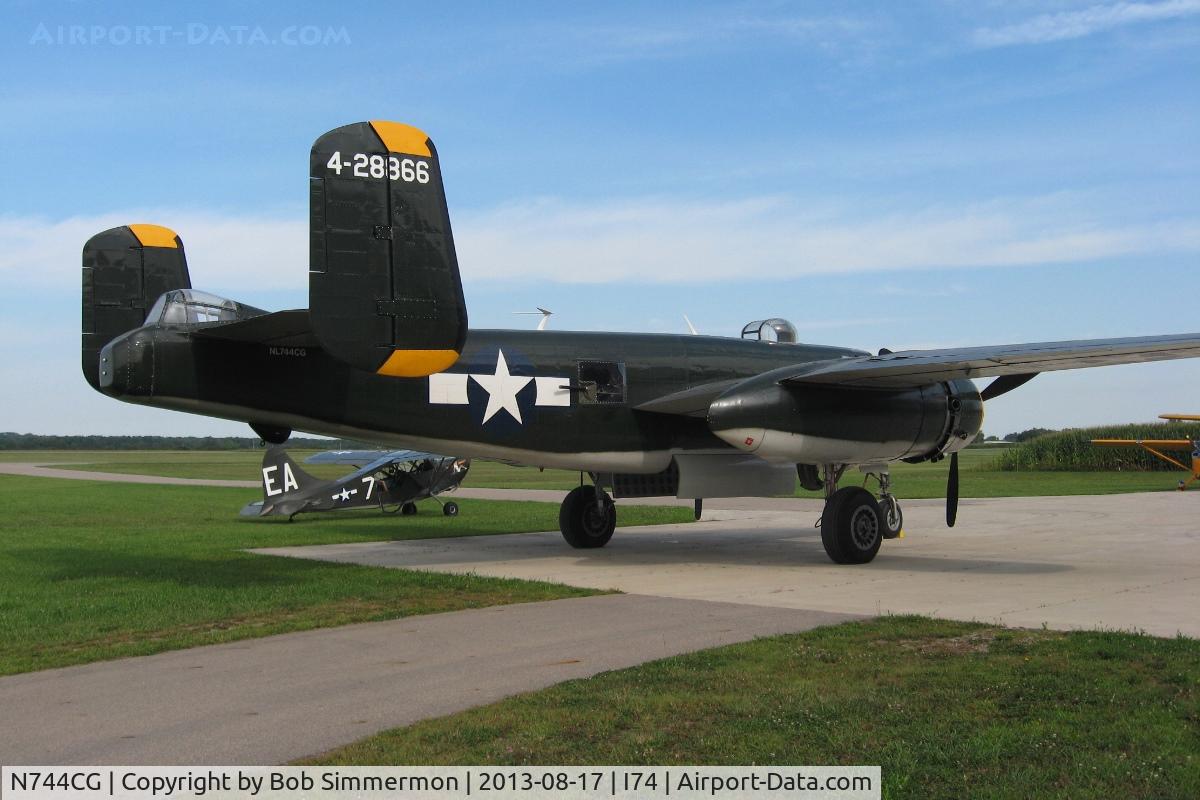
[588,517]
[854,524]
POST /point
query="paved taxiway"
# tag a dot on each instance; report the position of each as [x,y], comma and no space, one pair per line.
[264,701]
[1129,562]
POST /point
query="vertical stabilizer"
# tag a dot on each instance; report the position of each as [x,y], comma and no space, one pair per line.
[384,287]
[125,270]
[283,480]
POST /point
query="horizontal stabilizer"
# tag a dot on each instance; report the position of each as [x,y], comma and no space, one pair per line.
[282,328]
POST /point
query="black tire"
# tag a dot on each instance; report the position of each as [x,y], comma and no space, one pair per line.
[408,509]
[450,509]
[893,518]
[852,526]
[810,477]
[582,522]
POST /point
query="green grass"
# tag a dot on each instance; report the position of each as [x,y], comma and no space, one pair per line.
[235,465]
[245,464]
[948,709]
[90,571]
[979,475]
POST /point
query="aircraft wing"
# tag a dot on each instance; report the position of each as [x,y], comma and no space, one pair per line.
[374,458]
[916,367]
[909,368]
[1165,444]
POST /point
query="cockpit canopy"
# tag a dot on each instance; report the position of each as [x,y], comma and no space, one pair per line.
[770,330]
[191,307]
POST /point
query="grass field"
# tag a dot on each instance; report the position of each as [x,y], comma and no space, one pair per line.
[979,478]
[948,709]
[90,571]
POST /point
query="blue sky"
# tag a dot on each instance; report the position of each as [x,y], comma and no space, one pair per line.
[900,175]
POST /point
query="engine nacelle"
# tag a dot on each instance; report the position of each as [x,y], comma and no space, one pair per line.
[815,424]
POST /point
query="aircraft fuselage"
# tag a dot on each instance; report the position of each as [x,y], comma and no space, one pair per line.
[526,396]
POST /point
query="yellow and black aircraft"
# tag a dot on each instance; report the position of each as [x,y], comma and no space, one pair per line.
[383,353]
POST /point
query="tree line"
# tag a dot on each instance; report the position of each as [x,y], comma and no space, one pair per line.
[35,441]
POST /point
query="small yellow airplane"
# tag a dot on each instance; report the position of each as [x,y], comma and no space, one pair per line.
[1158,446]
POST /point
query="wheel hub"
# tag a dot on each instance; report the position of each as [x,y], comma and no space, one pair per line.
[594,519]
[864,528]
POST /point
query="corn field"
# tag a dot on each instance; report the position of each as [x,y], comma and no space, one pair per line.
[1072,450]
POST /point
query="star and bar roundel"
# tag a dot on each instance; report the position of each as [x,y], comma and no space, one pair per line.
[504,391]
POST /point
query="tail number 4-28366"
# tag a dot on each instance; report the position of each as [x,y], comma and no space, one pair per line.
[393,168]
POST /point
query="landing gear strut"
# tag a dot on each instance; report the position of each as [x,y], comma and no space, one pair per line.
[588,517]
[893,516]
[854,524]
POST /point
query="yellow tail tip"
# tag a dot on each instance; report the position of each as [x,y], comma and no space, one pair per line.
[154,235]
[400,138]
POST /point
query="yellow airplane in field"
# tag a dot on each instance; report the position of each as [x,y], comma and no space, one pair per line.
[1157,447]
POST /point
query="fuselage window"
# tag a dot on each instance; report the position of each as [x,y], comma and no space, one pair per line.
[601,382]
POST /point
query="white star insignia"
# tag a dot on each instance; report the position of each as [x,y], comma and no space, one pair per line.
[502,390]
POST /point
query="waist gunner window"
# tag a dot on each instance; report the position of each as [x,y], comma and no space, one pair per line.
[601,382]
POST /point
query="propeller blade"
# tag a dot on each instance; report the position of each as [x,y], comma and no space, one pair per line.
[952,492]
[1005,384]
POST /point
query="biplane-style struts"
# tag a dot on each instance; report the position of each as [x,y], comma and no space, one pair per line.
[383,354]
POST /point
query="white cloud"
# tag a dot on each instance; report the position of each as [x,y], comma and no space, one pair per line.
[666,241]
[1077,24]
[646,240]
[222,250]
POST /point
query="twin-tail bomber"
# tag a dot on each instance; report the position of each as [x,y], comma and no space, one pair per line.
[383,354]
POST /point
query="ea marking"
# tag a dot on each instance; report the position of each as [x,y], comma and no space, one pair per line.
[394,168]
[289,480]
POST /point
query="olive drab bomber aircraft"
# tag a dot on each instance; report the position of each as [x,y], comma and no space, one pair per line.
[383,354]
